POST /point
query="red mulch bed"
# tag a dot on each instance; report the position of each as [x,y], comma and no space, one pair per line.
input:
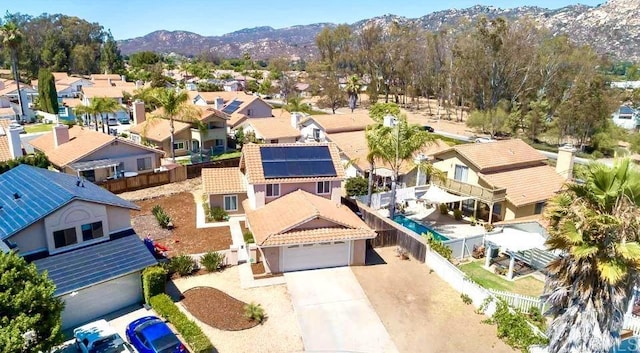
[257,268]
[184,238]
[217,309]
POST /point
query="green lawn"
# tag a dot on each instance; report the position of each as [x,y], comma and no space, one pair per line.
[525,286]
[226,155]
[38,128]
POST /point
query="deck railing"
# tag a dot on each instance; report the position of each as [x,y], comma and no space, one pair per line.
[475,191]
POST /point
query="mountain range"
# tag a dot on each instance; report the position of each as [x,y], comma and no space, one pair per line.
[612,28]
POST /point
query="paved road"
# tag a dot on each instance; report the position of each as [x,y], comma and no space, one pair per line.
[334,313]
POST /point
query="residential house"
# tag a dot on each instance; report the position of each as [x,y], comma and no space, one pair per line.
[238,105]
[291,195]
[208,132]
[10,143]
[77,232]
[93,155]
[626,117]
[66,86]
[271,130]
[9,99]
[316,127]
[232,86]
[505,179]
[108,91]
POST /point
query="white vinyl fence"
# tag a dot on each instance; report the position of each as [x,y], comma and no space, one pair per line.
[462,248]
[632,322]
[522,302]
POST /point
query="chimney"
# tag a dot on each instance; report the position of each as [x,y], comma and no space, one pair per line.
[564,163]
[60,134]
[15,145]
[295,120]
[219,103]
[139,115]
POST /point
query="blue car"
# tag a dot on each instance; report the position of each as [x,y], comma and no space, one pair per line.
[151,335]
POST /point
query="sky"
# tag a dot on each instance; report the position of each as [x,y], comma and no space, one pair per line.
[134,18]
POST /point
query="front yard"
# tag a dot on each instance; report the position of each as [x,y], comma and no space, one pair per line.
[184,238]
[38,128]
[526,286]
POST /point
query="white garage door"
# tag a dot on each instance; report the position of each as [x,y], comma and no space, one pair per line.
[93,302]
[310,256]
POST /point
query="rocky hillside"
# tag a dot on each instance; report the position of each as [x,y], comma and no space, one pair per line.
[612,28]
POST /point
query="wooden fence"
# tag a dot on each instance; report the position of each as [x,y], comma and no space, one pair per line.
[195,170]
[147,180]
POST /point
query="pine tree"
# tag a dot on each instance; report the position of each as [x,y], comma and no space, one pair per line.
[110,57]
[47,94]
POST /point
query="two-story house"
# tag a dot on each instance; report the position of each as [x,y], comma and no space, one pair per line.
[291,196]
[207,132]
[239,106]
[77,232]
[93,155]
[505,179]
[317,127]
[9,99]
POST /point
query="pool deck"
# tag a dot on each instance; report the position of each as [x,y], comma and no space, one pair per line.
[443,224]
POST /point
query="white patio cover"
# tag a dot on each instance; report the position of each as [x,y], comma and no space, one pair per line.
[516,240]
[436,195]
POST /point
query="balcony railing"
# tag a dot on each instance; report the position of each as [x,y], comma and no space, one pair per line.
[478,192]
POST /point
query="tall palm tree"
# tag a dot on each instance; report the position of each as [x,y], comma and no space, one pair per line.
[352,88]
[97,107]
[12,39]
[372,134]
[295,104]
[174,105]
[596,226]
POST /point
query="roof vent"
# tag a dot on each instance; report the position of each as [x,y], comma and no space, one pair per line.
[16,196]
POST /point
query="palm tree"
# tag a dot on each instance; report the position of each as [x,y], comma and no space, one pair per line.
[175,105]
[596,226]
[372,134]
[12,39]
[295,105]
[98,107]
[352,88]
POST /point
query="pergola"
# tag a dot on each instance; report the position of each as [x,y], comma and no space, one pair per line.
[96,164]
[512,241]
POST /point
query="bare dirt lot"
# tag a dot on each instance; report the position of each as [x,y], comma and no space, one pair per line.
[421,312]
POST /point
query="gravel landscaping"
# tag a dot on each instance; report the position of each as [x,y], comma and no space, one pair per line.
[217,309]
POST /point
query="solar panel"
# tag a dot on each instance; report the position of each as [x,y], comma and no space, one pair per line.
[232,107]
[296,162]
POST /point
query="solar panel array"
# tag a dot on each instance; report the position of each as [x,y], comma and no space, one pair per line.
[83,267]
[297,162]
[232,107]
[626,110]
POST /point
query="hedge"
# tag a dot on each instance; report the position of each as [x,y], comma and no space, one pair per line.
[153,282]
[189,330]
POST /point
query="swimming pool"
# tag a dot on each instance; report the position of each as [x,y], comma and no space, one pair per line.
[417,227]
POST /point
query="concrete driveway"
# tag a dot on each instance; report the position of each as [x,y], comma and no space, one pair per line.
[334,313]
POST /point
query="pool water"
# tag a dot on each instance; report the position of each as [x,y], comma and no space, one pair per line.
[417,227]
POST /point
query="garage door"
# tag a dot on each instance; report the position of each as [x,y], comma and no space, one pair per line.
[93,302]
[310,256]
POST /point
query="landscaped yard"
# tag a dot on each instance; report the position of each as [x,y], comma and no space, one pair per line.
[217,309]
[185,238]
[227,155]
[525,286]
[38,128]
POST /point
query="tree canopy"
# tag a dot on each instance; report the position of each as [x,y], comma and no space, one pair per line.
[47,95]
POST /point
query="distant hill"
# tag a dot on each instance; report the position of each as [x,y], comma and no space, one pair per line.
[611,28]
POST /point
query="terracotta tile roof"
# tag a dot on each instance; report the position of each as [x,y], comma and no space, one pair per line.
[236,117]
[251,163]
[57,76]
[205,113]
[273,128]
[107,91]
[5,155]
[10,86]
[98,77]
[69,80]
[526,185]
[157,130]
[505,154]
[71,102]
[281,221]
[8,111]
[223,181]
[61,87]
[82,141]
[334,123]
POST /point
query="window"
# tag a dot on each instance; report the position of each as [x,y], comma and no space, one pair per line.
[462,173]
[219,142]
[231,203]
[214,125]
[249,112]
[195,145]
[144,163]
[178,145]
[539,207]
[273,141]
[316,134]
[273,190]
[89,175]
[323,187]
[92,231]
[64,237]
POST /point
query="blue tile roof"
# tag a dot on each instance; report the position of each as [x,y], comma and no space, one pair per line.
[81,268]
[27,194]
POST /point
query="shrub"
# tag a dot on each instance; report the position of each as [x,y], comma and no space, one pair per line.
[488,227]
[437,246]
[514,328]
[218,214]
[466,299]
[153,282]
[161,216]
[457,214]
[190,331]
[444,209]
[248,237]
[473,221]
[183,265]
[356,186]
[254,312]
[212,261]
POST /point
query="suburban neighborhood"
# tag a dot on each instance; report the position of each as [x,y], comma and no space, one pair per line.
[398,188]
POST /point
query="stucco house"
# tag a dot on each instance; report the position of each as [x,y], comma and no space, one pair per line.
[316,127]
[505,179]
[626,117]
[238,105]
[291,196]
[9,99]
[93,155]
[271,130]
[10,143]
[77,232]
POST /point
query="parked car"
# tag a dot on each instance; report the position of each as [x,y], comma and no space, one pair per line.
[100,337]
[484,140]
[151,335]
[428,128]
[112,120]
[124,119]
